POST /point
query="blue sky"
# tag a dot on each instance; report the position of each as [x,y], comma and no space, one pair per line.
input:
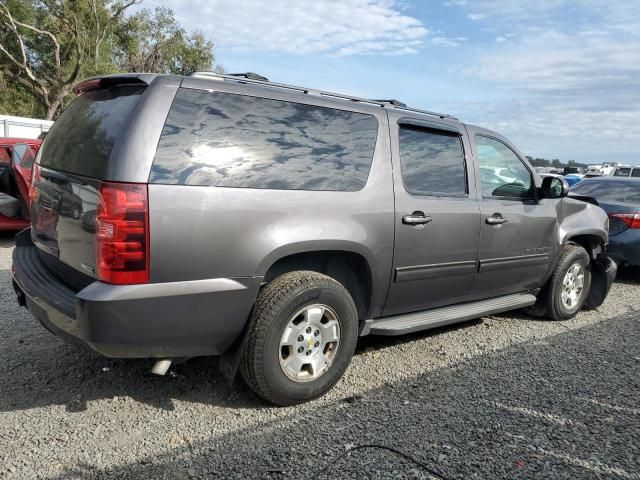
[560,78]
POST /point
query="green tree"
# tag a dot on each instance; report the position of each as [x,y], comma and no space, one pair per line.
[46,46]
[155,42]
[539,162]
[16,99]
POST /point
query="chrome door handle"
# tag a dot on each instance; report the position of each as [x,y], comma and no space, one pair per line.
[416,218]
[495,219]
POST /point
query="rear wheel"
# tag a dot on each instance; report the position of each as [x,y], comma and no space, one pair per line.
[569,284]
[302,337]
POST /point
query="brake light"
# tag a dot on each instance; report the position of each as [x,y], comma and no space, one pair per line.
[35,178]
[122,233]
[87,85]
[631,220]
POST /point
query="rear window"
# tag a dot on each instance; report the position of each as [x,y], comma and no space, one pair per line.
[228,140]
[610,191]
[622,172]
[81,140]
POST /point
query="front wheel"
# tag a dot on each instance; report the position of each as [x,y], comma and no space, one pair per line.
[569,285]
[302,336]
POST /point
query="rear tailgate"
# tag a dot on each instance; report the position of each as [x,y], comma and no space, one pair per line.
[66,184]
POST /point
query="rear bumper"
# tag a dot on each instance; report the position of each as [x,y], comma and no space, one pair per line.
[180,319]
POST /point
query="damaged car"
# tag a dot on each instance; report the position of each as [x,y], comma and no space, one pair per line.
[274,225]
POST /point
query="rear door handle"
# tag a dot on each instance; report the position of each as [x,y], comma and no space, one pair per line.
[416,218]
[495,219]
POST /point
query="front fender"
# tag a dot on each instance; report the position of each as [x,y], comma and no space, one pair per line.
[577,218]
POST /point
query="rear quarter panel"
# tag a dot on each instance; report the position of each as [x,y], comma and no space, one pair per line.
[211,232]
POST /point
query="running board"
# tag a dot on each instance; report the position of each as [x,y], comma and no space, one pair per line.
[413,322]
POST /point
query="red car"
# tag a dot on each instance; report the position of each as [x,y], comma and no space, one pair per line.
[16,161]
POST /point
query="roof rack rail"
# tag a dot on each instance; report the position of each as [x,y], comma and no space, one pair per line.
[249,76]
[428,112]
[395,103]
[255,79]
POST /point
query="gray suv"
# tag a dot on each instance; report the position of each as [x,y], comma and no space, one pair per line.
[273,225]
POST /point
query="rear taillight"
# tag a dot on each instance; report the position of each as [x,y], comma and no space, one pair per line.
[122,233]
[35,178]
[631,220]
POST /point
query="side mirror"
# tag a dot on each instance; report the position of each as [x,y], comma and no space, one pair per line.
[554,187]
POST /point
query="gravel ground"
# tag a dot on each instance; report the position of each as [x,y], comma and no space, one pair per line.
[506,396]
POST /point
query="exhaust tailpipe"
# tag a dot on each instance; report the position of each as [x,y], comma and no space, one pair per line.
[161,367]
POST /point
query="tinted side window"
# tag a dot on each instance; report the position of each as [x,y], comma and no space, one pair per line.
[635,172]
[502,173]
[432,162]
[17,153]
[228,140]
[622,172]
[22,155]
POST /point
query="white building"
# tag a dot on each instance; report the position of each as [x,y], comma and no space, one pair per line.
[23,127]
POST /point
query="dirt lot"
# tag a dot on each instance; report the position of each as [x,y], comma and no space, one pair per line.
[507,397]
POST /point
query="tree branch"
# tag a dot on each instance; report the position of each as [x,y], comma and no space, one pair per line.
[121,8]
[76,69]
[12,25]
[48,34]
[38,89]
[99,36]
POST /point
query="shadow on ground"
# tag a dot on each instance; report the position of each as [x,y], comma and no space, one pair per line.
[38,369]
[563,407]
[7,239]
[628,276]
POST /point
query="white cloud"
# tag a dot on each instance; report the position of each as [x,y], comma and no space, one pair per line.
[577,94]
[447,42]
[552,62]
[565,76]
[339,27]
[559,130]
[617,15]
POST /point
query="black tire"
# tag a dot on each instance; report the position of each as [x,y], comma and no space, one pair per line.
[277,303]
[571,255]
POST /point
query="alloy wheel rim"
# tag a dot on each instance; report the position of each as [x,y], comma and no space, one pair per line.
[572,286]
[309,343]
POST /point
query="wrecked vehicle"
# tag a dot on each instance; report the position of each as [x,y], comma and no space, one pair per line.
[16,160]
[273,225]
